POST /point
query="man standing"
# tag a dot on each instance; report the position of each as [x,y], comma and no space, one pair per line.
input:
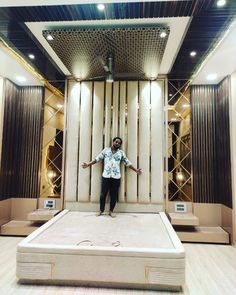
[112,158]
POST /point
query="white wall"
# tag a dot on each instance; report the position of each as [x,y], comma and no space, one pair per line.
[97,112]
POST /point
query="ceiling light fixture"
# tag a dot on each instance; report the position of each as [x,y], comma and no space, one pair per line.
[31,56]
[163,34]
[49,37]
[211,77]
[221,3]
[193,53]
[101,7]
[186,105]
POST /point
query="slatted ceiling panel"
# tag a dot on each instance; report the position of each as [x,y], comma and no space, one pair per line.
[122,134]
[115,110]
[157,101]
[107,127]
[97,138]
[132,140]
[144,142]
[72,140]
[85,133]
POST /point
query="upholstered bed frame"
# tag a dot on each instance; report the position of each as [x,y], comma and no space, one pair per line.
[133,250]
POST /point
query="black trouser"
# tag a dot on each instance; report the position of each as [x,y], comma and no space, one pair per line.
[110,185]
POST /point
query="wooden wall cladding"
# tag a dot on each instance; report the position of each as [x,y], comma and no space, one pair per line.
[21,144]
[211,144]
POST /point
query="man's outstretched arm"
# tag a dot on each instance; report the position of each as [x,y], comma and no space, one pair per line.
[137,170]
[86,165]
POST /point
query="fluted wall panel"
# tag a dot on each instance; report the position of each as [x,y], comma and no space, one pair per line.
[21,142]
[211,144]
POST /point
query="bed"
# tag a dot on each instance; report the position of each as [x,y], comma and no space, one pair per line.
[133,250]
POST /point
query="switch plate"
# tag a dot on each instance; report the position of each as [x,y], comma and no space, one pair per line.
[49,204]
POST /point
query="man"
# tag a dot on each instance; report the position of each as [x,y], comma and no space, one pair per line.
[112,158]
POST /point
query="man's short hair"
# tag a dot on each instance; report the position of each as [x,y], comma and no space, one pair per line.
[115,138]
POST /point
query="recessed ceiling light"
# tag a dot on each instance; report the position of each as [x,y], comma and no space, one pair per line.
[21,79]
[101,6]
[193,53]
[170,94]
[211,77]
[31,56]
[186,105]
[221,3]
[49,37]
[163,34]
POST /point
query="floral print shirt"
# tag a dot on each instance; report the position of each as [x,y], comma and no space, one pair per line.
[112,162]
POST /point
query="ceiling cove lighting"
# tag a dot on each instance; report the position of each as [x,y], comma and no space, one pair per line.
[31,56]
[101,7]
[193,53]
[221,3]
[211,77]
[21,79]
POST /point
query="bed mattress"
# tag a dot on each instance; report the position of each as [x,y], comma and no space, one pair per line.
[132,250]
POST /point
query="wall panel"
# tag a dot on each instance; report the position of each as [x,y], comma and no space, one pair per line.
[211,144]
[132,140]
[21,141]
[97,139]
[85,141]
[133,111]
[144,142]
[72,136]
[157,88]
[122,134]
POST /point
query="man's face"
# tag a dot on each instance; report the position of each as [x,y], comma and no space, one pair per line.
[117,143]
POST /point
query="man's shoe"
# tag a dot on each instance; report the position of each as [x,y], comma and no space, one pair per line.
[99,213]
[112,214]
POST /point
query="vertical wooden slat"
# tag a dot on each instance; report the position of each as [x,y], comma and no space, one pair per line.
[115,109]
[97,136]
[71,166]
[122,116]
[85,141]
[132,128]
[157,141]
[107,127]
[144,142]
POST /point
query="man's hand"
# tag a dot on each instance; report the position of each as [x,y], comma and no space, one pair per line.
[139,171]
[84,165]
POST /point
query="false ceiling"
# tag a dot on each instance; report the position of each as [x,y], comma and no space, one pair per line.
[204,23]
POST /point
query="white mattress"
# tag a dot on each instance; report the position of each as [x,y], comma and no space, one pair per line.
[131,250]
